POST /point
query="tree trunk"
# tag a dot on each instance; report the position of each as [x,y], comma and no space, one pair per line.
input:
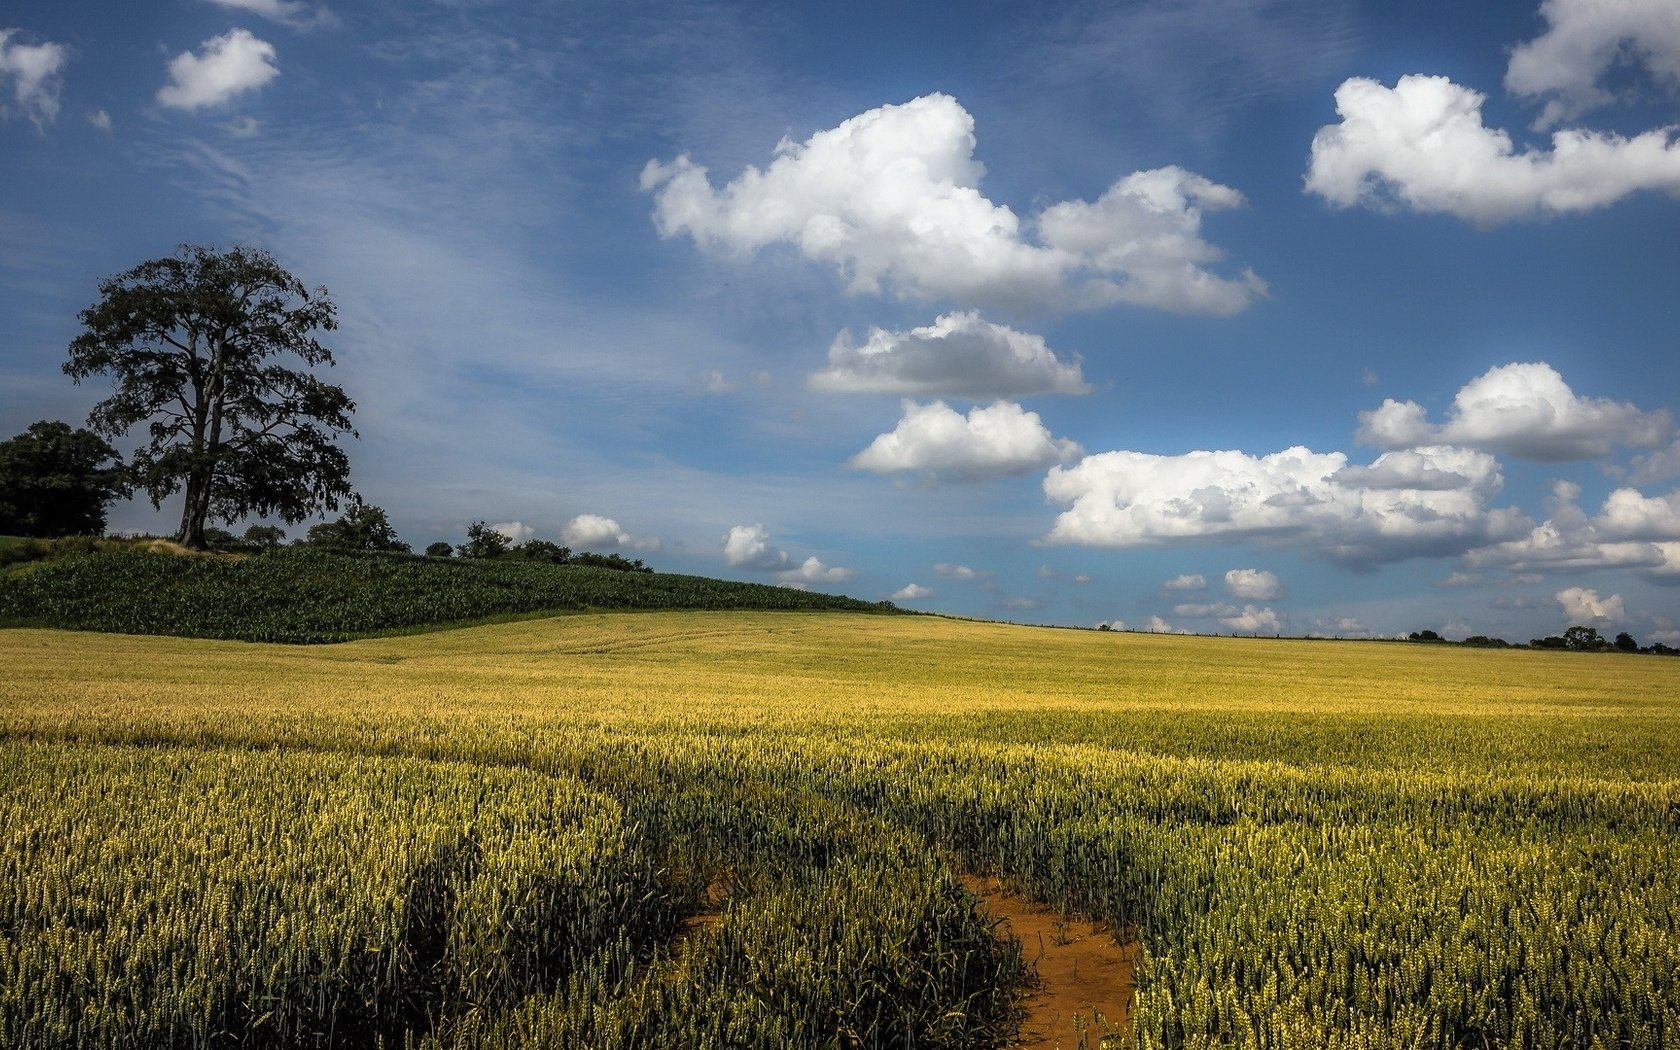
[193,512]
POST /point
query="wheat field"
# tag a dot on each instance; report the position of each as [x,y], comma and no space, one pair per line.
[502,836]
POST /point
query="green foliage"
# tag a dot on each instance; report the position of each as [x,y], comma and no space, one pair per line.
[610,561]
[194,345]
[305,594]
[483,542]
[1584,640]
[1482,641]
[541,550]
[264,537]
[440,549]
[363,527]
[55,481]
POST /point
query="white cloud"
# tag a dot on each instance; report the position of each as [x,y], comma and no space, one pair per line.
[100,119]
[1340,626]
[748,547]
[1147,227]
[1586,39]
[594,530]
[1255,584]
[1252,620]
[936,440]
[911,592]
[1201,611]
[1631,531]
[1660,465]
[1422,145]
[1187,582]
[959,355]
[226,66]
[516,532]
[1523,409]
[287,12]
[891,198]
[33,70]
[811,570]
[1584,606]
[1156,625]
[957,572]
[1296,497]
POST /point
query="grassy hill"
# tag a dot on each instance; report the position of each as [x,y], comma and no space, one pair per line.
[303,595]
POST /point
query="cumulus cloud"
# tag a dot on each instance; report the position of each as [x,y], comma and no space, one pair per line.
[516,532]
[1583,606]
[1296,498]
[1584,40]
[1525,410]
[911,592]
[811,570]
[957,572]
[891,199]
[33,72]
[940,442]
[100,119]
[748,547]
[958,355]
[1630,531]
[1660,465]
[1187,582]
[1256,584]
[594,530]
[1421,145]
[225,67]
[1156,625]
[1252,620]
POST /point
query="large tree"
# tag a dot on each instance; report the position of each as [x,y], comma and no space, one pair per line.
[55,481]
[203,347]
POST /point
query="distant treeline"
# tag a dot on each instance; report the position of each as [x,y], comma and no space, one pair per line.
[1576,639]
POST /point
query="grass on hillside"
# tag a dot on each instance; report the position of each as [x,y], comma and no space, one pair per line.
[306,595]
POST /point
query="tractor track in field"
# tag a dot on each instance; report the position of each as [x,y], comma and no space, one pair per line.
[1086,975]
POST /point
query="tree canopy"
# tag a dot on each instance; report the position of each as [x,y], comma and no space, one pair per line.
[363,527]
[55,481]
[202,347]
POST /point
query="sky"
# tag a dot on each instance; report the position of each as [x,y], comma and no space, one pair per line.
[1222,316]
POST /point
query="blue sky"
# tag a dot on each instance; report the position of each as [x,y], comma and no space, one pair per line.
[1245,316]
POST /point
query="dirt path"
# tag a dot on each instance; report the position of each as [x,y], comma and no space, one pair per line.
[1082,970]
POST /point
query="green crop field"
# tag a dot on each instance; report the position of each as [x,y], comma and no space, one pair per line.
[309,595]
[502,836]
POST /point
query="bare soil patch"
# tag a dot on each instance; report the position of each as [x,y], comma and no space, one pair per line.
[1086,974]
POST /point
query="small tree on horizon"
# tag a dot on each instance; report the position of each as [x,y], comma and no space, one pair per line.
[193,344]
[483,542]
[363,527]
